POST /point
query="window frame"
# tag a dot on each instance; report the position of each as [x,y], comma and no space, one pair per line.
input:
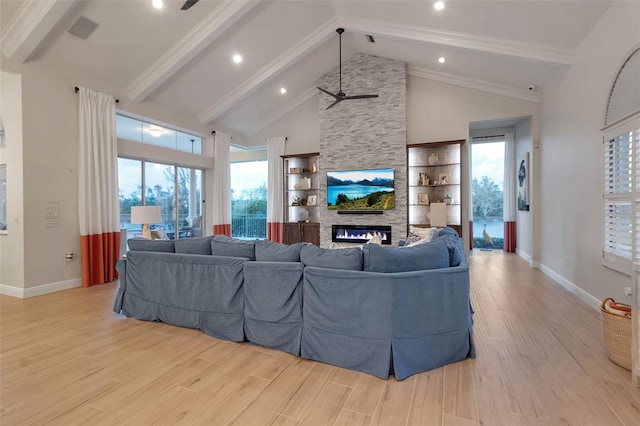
[615,249]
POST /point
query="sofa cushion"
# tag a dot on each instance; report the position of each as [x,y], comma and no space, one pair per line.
[431,255]
[348,258]
[143,244]
[193,245]
[221,245]
[453,242]
[270,251]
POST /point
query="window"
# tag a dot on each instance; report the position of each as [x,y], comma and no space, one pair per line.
[140,131]
[621,196]
[177,190]
[249,199]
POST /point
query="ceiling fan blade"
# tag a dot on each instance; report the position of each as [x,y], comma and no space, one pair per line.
[328,93]
[188,4]
[333,104]
[361,97]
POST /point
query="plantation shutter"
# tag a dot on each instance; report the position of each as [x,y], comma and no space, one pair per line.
[621,196]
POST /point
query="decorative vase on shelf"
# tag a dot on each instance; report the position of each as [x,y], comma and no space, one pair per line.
[313,168]
[303,215]
[433,159]
[448,199]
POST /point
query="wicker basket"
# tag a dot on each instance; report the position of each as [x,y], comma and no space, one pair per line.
[616,333]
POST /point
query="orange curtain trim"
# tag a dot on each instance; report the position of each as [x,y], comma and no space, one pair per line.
[275,231]
[509,237]
[224,229]
[100,252]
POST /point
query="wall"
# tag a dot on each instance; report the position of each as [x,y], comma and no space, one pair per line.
[50,156]
[524,222]
[365,134]
[12,243]
[439,111]
[301,126]
[571,166]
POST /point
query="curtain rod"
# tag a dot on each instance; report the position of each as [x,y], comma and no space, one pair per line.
[487,137]
[77,89]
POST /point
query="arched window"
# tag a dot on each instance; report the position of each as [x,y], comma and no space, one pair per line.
[621,142]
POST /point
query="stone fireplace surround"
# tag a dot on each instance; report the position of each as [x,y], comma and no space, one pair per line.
[365,134]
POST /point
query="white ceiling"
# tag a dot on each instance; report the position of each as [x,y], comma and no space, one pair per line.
[183,58]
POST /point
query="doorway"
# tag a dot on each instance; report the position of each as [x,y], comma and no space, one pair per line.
[487,191]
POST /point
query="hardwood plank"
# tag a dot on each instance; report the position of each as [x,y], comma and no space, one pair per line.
[366,395]
[427,399]
[352,418]
[459,391]
[393,408]
[327,406]
[448,420]
[301,401]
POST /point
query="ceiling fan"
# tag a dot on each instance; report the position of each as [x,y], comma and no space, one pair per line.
[340,96]
[188,4]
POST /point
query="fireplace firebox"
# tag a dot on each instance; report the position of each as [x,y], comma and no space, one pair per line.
[360,233]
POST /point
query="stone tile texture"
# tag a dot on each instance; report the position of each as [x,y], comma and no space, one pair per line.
[365,134]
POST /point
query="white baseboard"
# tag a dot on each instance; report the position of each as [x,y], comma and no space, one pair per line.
[23,293]
[523,255]
[583,295]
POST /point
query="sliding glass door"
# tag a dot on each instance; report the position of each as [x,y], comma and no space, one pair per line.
[177,190]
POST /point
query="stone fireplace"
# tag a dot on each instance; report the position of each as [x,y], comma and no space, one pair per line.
[360,233]
[365,134]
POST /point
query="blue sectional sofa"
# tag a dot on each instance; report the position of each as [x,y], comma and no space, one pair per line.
[378,310]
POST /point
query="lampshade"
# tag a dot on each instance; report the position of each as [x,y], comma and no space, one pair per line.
[145,214]
[438,215]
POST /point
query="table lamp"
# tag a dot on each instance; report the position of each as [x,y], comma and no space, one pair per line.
[145,215]
[438,215]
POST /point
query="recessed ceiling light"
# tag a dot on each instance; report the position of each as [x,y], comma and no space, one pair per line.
[441,59]
[439,5]
[237,58]
[158,4]
[155,131]
[283,90]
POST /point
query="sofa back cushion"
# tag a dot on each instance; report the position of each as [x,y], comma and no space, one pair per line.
[432,255]
[269,251]
[349,258]
[454,245]
[193,245]
[143,244]
[221,245]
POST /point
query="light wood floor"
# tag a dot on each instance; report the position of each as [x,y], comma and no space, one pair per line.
[66,358]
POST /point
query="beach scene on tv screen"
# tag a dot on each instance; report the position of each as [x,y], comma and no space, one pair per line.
[361,189]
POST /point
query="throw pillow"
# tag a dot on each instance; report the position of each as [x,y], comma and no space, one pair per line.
[453,246]
[431,255]
[221,245]
[194,245]
[423,233]
[346,258]
[376,239]
[271,251]
[143,244]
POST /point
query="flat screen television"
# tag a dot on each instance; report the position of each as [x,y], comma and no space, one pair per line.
[371,189]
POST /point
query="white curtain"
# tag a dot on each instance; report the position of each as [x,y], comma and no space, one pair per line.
[222,184]
[275,216]
[510,185]
[99,207]
[509,197]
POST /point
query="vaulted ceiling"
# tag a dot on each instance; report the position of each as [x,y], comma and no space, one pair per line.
[183,59]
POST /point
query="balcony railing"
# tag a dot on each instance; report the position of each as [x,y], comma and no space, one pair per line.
[249,226]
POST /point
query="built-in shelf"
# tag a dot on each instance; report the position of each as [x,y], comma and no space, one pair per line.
[447,156]
[302,222]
